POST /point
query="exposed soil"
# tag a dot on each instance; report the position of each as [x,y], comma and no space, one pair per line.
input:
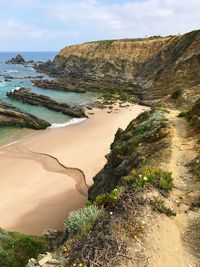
[172,241]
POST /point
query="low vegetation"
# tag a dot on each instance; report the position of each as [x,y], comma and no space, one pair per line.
[16,249]
[153,176]
[122,96]
[184,113]
[159,206]
[82,220]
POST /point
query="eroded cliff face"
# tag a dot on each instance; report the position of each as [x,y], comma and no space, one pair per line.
[120,59]
[175,67]
[159,66]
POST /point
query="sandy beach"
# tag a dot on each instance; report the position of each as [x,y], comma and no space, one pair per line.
[37,192]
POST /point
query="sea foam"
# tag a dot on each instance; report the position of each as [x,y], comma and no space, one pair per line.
[9,144]
[16,88]
[73,121]
[11,71]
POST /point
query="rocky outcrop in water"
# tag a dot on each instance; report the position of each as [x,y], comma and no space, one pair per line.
[12,116]
[25,95]
[17,60]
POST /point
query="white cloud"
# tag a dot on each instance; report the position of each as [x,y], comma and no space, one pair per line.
[62,22]
[130,19]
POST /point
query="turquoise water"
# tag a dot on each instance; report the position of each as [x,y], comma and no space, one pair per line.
[20,73]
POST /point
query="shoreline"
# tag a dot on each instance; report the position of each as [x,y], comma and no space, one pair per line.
[36,194]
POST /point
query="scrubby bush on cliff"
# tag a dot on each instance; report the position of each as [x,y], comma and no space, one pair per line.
[16,249]
[150,175]
[112,198]
[82,220]
[184,113]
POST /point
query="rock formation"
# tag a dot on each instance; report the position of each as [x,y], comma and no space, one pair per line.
[159,66]
[56,85]
[17,60]
[82,85]
[12,116]
[26,96]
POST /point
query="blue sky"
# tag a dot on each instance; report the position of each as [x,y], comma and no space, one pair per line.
[49,25]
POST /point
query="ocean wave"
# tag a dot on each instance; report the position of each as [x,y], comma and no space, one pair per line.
[9,144]
[73,121]
[11,71]
[2,84]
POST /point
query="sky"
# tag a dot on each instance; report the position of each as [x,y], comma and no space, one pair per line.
[49,25]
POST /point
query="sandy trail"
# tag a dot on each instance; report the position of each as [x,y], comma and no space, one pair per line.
[37,190]
[169,248]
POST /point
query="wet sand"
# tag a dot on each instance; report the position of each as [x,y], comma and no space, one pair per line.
[37,190]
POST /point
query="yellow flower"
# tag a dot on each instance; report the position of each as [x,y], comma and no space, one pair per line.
[80,264]
[145,178]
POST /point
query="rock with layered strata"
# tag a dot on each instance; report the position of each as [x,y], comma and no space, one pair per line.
[12,116]
[25,95]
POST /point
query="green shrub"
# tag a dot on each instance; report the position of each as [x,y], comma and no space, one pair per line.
[176,94]
[16,249]
[140,182]
[101,200]
[184,113]
[129,179]
[89,203]
[156,177]
[126,147]
[165,181]
[114,196]
[82,220]
[159,206]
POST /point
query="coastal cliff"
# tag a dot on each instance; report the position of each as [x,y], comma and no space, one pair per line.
[120,59]
[143,208]
[157,67]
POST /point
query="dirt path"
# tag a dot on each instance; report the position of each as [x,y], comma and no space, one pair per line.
[169,234]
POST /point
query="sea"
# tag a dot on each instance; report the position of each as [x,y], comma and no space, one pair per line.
[21,74]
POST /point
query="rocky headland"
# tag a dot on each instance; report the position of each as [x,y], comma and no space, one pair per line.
[12,116]
[25,95]
[158,70]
